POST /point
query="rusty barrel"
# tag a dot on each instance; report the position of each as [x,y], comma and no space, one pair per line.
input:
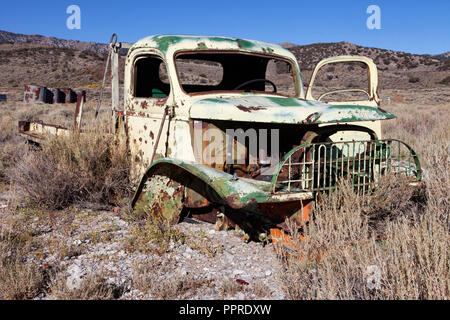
[57,95]
[33,94]
[70,95]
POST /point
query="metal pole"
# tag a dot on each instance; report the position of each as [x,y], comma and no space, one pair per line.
[112,44]
[159,133]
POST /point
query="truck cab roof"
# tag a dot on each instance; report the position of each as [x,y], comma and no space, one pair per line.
[170,44]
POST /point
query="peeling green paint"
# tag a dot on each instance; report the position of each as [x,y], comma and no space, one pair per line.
[245,44]
[285,102]
[163,42]
[269,109]
[216,100]
[239,193]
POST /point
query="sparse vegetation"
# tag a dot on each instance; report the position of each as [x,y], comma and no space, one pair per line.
[20,278]
[146,280]
[72,169]
[342,249]
[154,234]
[445,81]
[390,245]
[93,287]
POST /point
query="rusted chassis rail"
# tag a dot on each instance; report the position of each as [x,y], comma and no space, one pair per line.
[36,131]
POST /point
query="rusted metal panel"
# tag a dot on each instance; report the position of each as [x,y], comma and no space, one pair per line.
[271,109]
[82,93]
[373,99]
[235,193]
[38,130]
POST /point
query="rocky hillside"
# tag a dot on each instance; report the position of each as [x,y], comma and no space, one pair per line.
[397,69]
[309,55]
[9,37]
[36,59]
[443,56]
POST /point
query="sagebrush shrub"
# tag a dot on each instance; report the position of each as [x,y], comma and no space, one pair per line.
[91,166]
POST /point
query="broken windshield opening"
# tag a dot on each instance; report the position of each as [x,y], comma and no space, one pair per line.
[203,72]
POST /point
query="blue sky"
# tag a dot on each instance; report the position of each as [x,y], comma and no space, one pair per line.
[411,26]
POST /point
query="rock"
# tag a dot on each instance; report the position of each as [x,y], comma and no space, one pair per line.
[183,272]
[268,273]
[373,274]
[187,255]
[76,275]
[237,272]
[240,296]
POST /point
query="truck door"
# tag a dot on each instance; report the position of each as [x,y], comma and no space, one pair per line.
[347,80]
[148,93]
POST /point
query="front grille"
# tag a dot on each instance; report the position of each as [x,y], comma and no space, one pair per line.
[318,167]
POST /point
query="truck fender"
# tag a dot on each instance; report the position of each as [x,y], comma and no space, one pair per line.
[217,186]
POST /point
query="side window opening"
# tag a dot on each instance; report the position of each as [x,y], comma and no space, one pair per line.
[151,79]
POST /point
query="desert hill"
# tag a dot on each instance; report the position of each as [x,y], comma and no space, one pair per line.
[36,59]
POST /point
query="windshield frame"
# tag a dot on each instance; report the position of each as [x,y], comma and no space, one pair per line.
[293,64]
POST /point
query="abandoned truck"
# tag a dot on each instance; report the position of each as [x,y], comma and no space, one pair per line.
[222,129]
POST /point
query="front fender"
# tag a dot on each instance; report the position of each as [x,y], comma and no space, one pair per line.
[237,194]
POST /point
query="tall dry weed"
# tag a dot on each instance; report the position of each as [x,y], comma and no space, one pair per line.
[391,244]
[20,277]
[91,166]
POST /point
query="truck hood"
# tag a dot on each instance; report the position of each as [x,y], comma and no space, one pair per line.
[282,110]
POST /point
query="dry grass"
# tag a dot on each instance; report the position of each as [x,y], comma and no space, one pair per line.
[231,287]
[93,287]
[147,279]
[340,254]
[20,276]
[388,245]
[153,236]
[12,144]
[73,169]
